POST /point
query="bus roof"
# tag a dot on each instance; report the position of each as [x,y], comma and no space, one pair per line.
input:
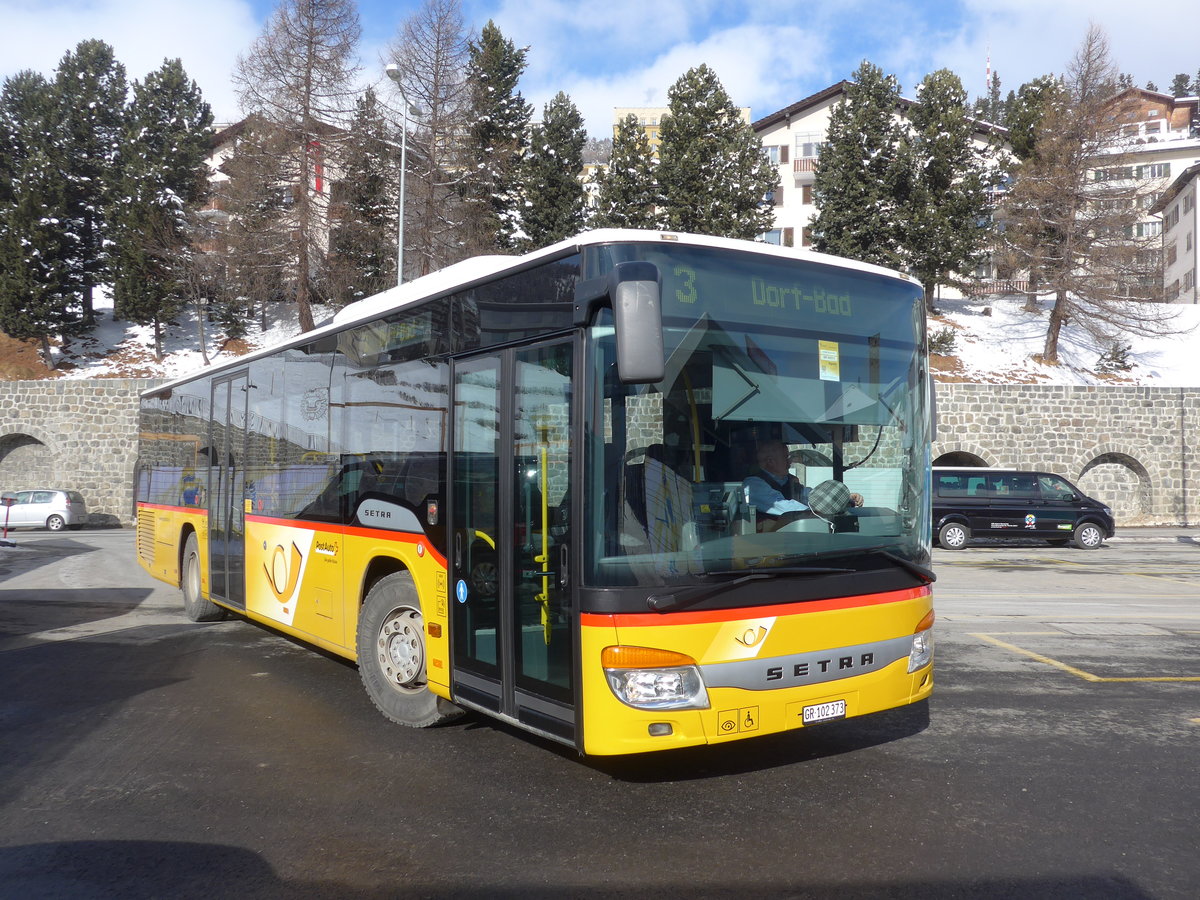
[461,275]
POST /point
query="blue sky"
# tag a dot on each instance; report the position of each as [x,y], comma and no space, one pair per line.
[628,52]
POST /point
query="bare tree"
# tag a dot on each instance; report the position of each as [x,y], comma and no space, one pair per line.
[300,76]
[431,50]
[1072,218]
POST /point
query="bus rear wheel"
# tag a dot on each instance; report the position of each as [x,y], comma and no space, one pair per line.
[391,655]
[197,608]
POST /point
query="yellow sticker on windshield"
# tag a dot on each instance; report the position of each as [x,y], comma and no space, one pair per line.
[830,360]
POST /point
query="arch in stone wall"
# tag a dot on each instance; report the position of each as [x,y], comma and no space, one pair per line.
[962,453]
[1119,479]
[28,458]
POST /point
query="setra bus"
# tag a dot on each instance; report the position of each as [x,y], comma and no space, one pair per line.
[517,486]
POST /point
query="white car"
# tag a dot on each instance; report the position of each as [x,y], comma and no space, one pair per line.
[52,509]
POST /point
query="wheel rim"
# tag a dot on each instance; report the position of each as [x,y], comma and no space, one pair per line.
[955,537]
[401,650]
[54,523]
[191,576]
[1091,536]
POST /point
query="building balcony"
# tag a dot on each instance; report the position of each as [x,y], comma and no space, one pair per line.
[804,168]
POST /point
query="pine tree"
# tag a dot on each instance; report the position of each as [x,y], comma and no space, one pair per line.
[627,190]
[861,180]
[37,298]
[713,175]
[496,143]
[945,221]
[163,177]
[991,108]
[363,251]
[90,92]
[300,75]
[1180,85]
[554,206]
[1026,108]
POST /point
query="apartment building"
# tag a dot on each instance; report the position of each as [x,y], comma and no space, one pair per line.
[792,137]
[1156,138]
[1179,207]
[650,118]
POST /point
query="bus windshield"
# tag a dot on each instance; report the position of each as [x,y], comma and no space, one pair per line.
[789,430]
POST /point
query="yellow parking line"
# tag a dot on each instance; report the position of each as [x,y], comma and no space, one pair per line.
[1079,673]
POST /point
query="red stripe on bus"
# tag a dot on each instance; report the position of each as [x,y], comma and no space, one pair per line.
[635,620]
[190,510]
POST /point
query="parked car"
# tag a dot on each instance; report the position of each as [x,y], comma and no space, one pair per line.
[52,509]
[973,502]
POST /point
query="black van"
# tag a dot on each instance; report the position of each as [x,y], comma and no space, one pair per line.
[1007,503]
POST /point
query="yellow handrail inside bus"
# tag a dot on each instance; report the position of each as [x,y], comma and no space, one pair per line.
[543,598]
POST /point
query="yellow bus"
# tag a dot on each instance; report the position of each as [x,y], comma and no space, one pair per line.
[526,486]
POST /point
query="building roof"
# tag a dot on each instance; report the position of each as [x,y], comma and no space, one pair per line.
[835,91]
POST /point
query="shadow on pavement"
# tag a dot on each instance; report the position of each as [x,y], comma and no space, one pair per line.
[131,870]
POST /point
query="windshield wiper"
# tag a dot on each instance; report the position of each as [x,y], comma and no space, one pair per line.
[688,596]
[922,572]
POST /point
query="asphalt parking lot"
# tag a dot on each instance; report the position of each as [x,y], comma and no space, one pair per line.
[144,756]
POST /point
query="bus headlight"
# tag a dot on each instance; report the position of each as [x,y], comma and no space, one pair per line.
[645,678]
[921,654]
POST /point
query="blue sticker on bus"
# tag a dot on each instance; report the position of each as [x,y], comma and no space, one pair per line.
[460,591]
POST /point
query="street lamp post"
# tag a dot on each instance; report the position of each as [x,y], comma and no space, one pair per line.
[393,72]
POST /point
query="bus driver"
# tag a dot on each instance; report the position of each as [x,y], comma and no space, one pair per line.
[775,493]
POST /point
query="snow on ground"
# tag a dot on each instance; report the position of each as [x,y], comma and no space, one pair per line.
[995,342]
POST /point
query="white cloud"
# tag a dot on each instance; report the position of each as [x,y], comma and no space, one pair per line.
[757,65]
[206,36]
[1028,38]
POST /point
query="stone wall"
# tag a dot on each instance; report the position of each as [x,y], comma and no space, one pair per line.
[77,435]
[1132,447]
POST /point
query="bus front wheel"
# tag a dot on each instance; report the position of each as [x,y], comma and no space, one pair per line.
[391,655]
[197,608]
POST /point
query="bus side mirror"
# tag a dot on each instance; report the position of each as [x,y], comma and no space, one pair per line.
[635,289]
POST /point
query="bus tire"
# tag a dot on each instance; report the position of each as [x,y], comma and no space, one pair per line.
[197,608]
[1088,536]
[954,536]
[391,655]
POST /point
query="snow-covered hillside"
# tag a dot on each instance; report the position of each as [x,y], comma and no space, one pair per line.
[995,342]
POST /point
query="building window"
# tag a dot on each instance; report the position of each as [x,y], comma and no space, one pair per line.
[1189,279]
[808,146]
[806,194]
[774,236]
[1154,170]
[1171,255]
[777,196]
[789,237]
[805,237]
[1189,242]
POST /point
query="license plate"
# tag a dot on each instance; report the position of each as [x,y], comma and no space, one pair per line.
[823,712]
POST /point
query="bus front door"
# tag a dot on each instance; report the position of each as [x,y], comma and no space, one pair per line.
[513,625]
[226,490]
